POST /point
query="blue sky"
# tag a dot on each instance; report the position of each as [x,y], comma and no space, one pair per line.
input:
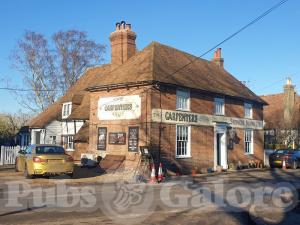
[264,54]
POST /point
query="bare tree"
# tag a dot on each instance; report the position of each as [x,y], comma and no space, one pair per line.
[48,70]
[33,59]
[75,52]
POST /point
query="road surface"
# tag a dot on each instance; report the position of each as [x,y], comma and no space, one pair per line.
[236,198]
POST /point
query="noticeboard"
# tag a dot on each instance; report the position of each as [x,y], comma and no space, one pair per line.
[102,133]
[133,139]
[117,138]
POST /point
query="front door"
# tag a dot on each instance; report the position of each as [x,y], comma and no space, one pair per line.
[37,137]
[220,146]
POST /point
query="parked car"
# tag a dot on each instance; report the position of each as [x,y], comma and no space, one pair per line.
[44,160]
[291,158]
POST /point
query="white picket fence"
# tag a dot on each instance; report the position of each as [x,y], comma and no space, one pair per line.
[8,154]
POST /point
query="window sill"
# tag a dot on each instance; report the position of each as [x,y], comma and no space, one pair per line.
[248,153]
[216,114]
[184,110]
[70,150]
[183,157]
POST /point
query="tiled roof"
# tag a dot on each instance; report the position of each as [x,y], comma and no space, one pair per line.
[158,62]
[76,93]
[274,111]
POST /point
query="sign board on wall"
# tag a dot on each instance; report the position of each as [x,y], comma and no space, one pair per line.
[119,108]
[133,139]
[117,138]
[179,117]
[102,133]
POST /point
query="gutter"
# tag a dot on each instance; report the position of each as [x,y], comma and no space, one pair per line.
[153,82]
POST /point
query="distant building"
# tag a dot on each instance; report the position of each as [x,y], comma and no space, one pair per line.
[282,117]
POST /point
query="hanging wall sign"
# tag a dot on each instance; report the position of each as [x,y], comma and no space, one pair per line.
[102,133]
[133,139]
[117,138]
[119,108]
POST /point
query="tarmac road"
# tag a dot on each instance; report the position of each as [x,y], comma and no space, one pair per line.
[218,199]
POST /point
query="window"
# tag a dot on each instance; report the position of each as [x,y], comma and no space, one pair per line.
[66,109]
[183,99]
[53,139]
[68,142]
[219,106]
[249,141]
[248,110]
[183,141]
[49,150]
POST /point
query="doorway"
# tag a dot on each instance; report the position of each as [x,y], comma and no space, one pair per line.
[37,137]
[220,146]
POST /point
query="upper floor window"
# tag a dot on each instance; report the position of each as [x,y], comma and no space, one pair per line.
[248,110]
[66,109]
[219,106]
[182,99]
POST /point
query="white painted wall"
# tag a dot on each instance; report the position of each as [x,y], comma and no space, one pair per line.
[69,127]
[56,128]
[53,129]
[33,136]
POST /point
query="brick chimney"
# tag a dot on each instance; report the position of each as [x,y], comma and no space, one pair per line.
[289,101]
[122,42]
[218,58]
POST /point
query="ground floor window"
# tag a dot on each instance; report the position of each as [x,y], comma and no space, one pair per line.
[183,148]
[53,140]
[68,142]
[249,141]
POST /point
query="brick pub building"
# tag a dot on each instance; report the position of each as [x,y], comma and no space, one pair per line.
[190,112]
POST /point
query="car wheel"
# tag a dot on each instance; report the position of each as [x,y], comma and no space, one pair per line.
[26,174]
[294,165]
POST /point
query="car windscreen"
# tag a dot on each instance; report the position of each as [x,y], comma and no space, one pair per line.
[282,151]
[49,150]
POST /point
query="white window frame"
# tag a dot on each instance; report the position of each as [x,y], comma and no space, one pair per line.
[248,106]
[66,109]
[53,139]
[183,95]
[188,146]
[220,101]
[68,141]
[248,143]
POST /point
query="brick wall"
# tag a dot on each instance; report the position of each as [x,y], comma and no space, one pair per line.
[202,137]
[120,125]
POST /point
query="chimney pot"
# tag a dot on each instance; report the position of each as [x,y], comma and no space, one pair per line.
[123,23]
[288,81]
[117,26]
[128,26]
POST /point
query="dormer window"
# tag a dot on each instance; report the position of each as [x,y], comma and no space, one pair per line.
[219,106]
[66,110]
[248,110]
[183,99]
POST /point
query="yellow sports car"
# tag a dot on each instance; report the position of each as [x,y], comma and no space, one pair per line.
[44,160]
